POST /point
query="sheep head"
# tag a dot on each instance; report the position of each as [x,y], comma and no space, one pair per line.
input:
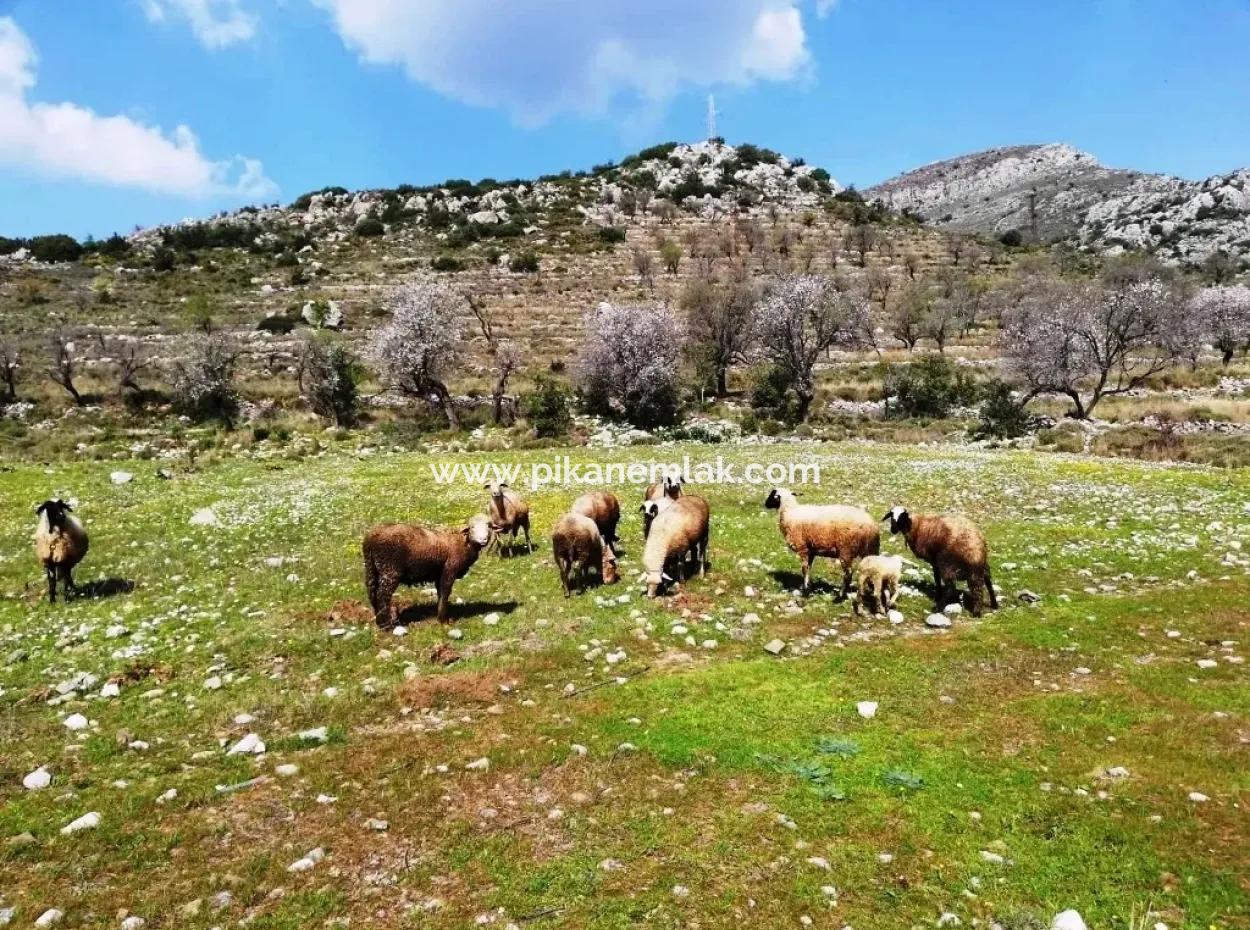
[54,511]
[900,520]
[479,532]
[607,571]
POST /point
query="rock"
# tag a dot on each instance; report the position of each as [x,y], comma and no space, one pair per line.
[1068,920]
[938,621]
[1028,597]
[306,862]
[213,683]
[895,617]
[205,517]
[6,916]
[1117,771]
[37,780]
[867,709]
[250,744]
[953,610]
[381,826]
[75,722]
[315,735]
[87,821]
[287,769]
[479,765]
[110,689]
[49,918]
[775,647]
[121,477]
[133,923]
[1198,797]
[322,314]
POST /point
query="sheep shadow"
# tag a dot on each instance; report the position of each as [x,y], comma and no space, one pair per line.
[793,581]
[428,610]
[104,587]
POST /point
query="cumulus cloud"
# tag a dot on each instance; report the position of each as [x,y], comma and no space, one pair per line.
[540,58]
[216,23]
[65,140]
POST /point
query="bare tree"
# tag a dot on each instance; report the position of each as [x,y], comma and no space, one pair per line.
[1088,342]
[643,197]
[64,368]
[629,361]
[942,321]
[204,381]
[801,317]
[861,239]
[906,321]
[1224,312]
[878,283]
[719,320]
[10,368]
[505,357]
[644,266]
[129,361]
[913,263]
[420,344]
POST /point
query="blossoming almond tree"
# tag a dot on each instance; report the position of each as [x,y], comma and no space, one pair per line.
[630,361]
[420,343]
[1224,313]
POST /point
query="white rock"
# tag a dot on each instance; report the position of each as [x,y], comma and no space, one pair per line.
[315,735]
[87,821]
[205,517]
[121,477]
[938,621]
[213,683]
[37,780]
[250,744]
[1198,797]
[110,689]
[896,617]
[287,769]
[867,709]
[775,647]
[307,861]
[75,722]
[952,610]
[1207,663]
[479,765]
[819,862]
[49,918]
[1068,920]
[491,618]
[133,923]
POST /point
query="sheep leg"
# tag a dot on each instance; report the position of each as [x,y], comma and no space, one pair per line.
[989,587]
[529,546]
[67,581]
[50,572]
[938,600]
[443,586]
[846,579]
[805,559]
[701,555]
[384,613]
[976,582]
[563,565]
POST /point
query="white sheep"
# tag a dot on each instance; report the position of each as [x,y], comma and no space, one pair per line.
[681,528]
[60,544]
[835,531]
[876,581]
[508,514]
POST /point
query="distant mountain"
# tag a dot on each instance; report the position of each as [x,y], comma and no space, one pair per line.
[1057,192]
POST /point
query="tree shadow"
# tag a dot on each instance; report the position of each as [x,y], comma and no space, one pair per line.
[104,587]
[428,610]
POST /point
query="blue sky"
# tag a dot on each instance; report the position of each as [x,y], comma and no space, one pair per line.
[276,97]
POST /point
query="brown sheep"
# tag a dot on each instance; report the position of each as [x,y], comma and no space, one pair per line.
[834,531]
[508,514]
[956,549]
[401,553]
[60,544]
[604,509]
[682,528]
[669,486]
[578,546]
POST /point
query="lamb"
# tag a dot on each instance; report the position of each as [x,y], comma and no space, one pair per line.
[401,553]
[604,509]
[877,580]
[835,531]
[956,549]
[681,528]
[578,546]
[508,514]
[60,544]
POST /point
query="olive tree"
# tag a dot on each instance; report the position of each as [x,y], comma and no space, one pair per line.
[629,360]
[719,316]
[421,342]
[799,318]
[1088,341]
[1223,313]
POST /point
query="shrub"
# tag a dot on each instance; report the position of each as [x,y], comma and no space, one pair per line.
[611,234]
[370,227]
[1002,416]
[771,395]
[524,263]
[57,248]
[328,375]
[447,263]
[927,388]
[548,407]
[163,259]
[1012,238]
[278,324]
[204,382]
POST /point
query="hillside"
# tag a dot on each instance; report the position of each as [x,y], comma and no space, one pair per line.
[1056,192]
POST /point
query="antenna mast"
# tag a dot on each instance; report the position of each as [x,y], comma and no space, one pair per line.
[711,116]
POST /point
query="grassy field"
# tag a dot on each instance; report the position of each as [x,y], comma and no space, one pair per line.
[647,762]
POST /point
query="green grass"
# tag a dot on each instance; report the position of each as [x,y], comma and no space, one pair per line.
[993,737]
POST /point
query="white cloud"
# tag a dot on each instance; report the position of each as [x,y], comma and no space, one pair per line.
[65,140]
[540,58]
[216,23]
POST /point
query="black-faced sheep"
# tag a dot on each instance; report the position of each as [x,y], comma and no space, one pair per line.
[830,530]
[401,553]
[956,549]
[578,548]
[669,486]
[604,509]
[60,544]
[651,509]
[680,529]
[876,582]
[508,514]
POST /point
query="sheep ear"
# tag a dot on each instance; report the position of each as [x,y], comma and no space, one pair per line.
[503,484]
[642,508]
[486,486]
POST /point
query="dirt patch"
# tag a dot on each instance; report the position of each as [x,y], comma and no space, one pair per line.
[349,611]
[466,687]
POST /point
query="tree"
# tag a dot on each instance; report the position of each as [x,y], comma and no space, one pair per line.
[129,360]
[421,342]
[644,265]
[505,356]
[328,376]
[906,321]
[719,317]
[629,361]
[670,255]
[1088,341]
[942,321]
[64,368]
[1224,315]
[801,317]
[861,239]
[10,369]
[204,386]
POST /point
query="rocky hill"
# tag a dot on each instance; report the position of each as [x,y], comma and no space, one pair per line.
[1056,192]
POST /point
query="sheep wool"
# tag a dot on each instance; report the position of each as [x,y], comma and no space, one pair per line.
[956,549]
[508,514]
[681,528]
[578,549]
[604,509]
[401,553]
[831,530]
[877,580]
[60,544]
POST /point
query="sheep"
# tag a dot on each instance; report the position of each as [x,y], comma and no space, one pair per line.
[60,544]
[508,514]
[651,509]
[668,486]
[877,580]
[402,553]
[956,549]
[836,531]
[679,529]
[604,509]
[578,545]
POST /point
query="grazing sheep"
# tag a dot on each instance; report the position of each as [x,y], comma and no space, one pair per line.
[508,514]
[60,544]
[651,509]
[669,486]
[956,549]
[577,545]
[680,529]
[877,581]
[401,553]
[835,531]
[604,509]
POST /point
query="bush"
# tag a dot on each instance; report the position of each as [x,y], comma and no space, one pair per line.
[611,234]
[370,227]
[447,263]
[1002,416]
[58,248]
[771,395]
[204,383]
[927,388]
[1012,238]
[524,263]
[548,407]
[163,259]
[328,377]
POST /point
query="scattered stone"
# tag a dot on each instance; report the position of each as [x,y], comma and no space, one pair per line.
[251,744]
[1198,797]
[121,477]
[37,780]
[479,765]
[381,826]
[49,918]
[775,647]
[315,735]
[938,621]
[306,862]
[287,769]
[1068,920]
[75,722]
[867,709]
[87,821]
[205,517]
